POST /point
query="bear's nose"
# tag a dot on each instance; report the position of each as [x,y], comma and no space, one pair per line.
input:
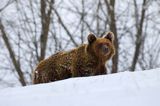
[105,49]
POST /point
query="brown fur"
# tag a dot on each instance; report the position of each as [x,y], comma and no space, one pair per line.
[86,60]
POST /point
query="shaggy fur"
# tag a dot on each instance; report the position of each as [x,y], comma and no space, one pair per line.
[86,60]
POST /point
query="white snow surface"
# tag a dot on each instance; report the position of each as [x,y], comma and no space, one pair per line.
[140,88]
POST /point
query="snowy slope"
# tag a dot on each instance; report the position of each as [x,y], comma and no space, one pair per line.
[141,88]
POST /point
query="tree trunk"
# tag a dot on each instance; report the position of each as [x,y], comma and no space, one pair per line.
[12,55]
[138,37]
[113,28]
[45,21]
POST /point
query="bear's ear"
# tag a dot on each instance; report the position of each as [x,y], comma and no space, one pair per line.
[110,36]
[91,38]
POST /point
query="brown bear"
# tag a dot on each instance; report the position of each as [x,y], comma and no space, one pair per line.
[85,60]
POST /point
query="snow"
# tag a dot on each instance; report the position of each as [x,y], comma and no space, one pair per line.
[140,88]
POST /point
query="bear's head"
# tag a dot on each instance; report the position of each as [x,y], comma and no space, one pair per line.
[102,47]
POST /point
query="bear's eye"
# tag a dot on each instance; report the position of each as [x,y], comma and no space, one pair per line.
[105,49]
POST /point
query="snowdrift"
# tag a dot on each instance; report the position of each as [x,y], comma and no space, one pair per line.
[140,88]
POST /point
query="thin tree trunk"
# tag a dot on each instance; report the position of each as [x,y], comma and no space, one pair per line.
[139,37]
[45,21]
[113,28]
[12,55]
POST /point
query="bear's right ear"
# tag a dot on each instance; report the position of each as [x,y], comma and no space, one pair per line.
[109,36]
[91,38]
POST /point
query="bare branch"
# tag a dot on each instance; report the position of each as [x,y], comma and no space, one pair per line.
[65,28]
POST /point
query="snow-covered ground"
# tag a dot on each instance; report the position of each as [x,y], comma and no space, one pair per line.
[140,88]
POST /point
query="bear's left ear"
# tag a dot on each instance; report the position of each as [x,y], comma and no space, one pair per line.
[91,38]
[110,36]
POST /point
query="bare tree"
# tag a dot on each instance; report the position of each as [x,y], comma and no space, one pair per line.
[45,21]
[12,55]
[139,33]
[112,22]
